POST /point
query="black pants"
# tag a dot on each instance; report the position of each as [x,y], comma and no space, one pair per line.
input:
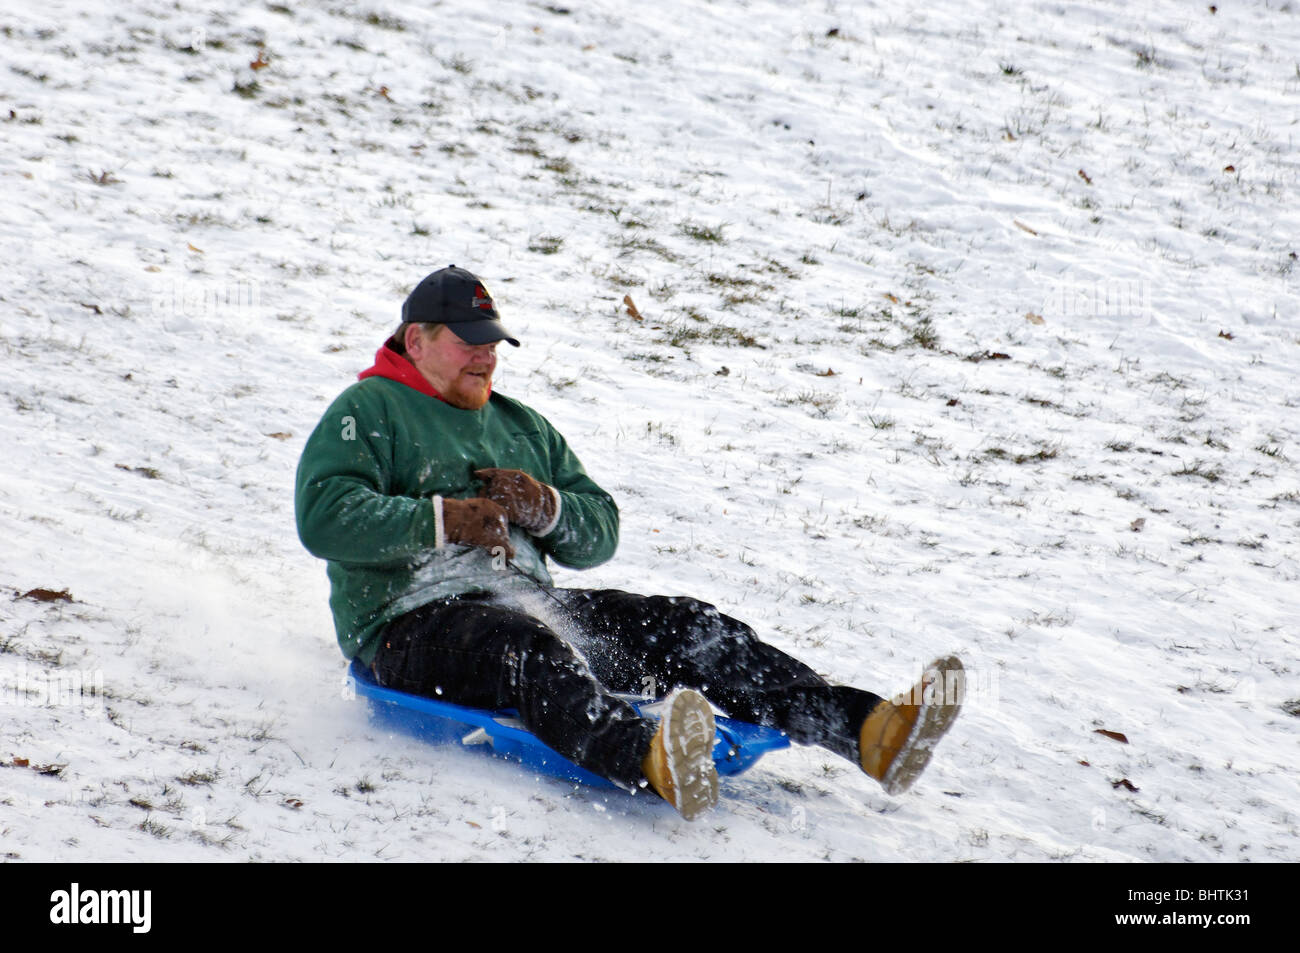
[559,658]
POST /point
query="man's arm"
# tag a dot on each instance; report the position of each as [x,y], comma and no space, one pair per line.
[353,507]
[571,519]
[344,500]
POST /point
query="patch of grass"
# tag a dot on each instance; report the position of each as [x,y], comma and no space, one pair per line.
[729,281]
[629,244]
[150,826]
[923,335]
[1200,469]
[1047,453]
[618,277]
[546,244]
[527,146]
[459,64]
[196,778]
[1271,450]
[678,334]
[664,291]
[385,22]
[775,267]
[1145,58]
[818,403]
[704,233]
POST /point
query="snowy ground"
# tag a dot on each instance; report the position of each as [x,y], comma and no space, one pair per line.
[963,327]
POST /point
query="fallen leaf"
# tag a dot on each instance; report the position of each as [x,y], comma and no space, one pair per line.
[829,372]
[1125,783]
[1114,735]
[631,308]
[280,435]
[152,268]
[23,762]
[891,297]
[1021,225]
[1084,175]
[1226,335]
[1229,168]
[477,827]
[47,595]
[261,62]
[1034,318]
[953,402]
[192,248]
[1137,524]
[1086,764]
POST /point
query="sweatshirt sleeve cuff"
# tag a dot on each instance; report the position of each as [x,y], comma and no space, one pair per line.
[439,534]
[555,520]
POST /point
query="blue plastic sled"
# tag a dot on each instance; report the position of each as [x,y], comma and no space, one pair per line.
[739,744]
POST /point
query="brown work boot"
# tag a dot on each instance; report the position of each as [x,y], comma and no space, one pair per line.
[680,763]
[898,737]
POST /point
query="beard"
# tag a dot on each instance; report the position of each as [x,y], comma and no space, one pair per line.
[468,391]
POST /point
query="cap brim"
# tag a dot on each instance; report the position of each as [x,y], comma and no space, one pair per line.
[482,332]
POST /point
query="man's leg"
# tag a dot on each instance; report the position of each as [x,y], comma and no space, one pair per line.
[472,652]
[679,641]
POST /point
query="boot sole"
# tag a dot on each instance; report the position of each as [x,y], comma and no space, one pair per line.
[689,733]
[936,717]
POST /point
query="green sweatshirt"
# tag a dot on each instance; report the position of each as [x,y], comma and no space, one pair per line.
[363,503]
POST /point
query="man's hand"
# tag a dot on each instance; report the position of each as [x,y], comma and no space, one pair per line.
[477,522]
[528,503]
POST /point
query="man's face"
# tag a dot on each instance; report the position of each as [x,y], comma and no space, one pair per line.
[460,372]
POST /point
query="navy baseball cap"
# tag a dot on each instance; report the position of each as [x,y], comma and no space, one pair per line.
[456,298]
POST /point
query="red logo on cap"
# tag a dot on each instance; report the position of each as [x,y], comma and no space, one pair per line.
[481,299]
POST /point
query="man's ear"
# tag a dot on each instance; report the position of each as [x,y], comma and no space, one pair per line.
[414,339]
[424,334]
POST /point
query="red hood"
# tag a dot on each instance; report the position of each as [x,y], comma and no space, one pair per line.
[390,364]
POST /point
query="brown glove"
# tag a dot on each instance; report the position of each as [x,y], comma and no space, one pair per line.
[477,522]
[529,504]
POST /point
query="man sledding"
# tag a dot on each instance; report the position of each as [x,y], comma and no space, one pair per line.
[437,504]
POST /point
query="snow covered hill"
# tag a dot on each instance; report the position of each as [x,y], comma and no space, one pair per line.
[953,326]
